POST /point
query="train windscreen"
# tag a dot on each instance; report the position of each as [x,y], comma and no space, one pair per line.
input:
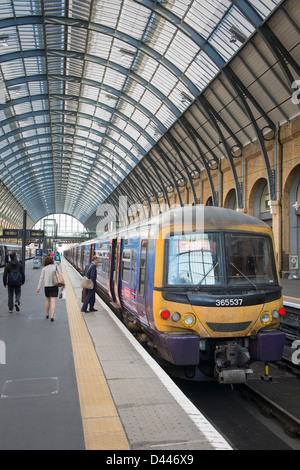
[198,260]
[194,259]
[250,259]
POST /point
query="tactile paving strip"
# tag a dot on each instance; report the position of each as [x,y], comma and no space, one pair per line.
[102,426]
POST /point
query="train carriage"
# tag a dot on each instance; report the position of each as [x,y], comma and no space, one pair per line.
[14,248]
[202,283]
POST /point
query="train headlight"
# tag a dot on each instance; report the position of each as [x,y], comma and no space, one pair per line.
[275,314]
[176,316]
[189,319]
[266,318]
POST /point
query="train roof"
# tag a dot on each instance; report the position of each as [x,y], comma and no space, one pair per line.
[203,215]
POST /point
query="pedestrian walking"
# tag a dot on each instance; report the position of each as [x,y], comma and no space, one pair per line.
[91,273]
[13,279]
[57,258]
[51,291]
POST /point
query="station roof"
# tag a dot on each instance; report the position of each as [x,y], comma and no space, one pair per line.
[89,87]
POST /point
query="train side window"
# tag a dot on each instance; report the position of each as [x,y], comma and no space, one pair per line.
[132,267]
[126,266]
[143,264]
[105,262]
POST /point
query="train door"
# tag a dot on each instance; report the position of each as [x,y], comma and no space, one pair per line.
[117,270]
[142,281]
[91,252]
[111,268]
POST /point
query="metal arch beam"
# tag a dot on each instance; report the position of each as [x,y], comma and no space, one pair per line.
[246,96]
[166,161]
[97,60]
[28,139]
[38,97]
[180,150]
[185,28]
[90,26]
[140,190]
[277,48]
[95,119]
[216,120]
[147,180]
[195,137]
[41,166]
[158,170]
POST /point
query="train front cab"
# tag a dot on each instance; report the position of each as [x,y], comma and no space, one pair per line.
[226,310]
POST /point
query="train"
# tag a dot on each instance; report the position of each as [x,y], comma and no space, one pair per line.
[14,248]
[200,284]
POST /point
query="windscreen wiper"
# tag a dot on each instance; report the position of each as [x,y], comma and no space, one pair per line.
[216,263]
[244,275]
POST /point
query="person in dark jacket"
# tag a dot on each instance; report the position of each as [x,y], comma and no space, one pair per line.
[91,272]
[8,257]
[14,278]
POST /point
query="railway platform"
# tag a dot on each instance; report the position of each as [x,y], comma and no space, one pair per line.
[83,382]
[291,292]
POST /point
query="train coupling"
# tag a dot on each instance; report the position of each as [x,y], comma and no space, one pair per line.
[231,363]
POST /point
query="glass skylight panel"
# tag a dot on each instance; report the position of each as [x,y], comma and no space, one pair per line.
[22,108]
[264,7]
[55,36]
[164,80]
[166,116]
[221,39]
[54,8]
[35,65]
[202,70]
[140,118]
[55,65]
[76,39]
[150,101]
[114,79]
[133,19]
[105,12]
[10,42]
[93,71]
[37,88]
[181,51]
[26,7]
[127,108]
[144,143]
[80,9]
[146,67]
[204,15]
[6,10]
[99,44]
[31,36]
[90,92]
[12,69]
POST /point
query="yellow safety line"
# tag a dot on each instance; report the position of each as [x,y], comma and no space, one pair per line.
[102,427]
[285,297]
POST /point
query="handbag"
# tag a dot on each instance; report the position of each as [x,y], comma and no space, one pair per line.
[87,283]
[57,279]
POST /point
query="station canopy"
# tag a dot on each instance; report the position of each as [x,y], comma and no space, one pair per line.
[88,87]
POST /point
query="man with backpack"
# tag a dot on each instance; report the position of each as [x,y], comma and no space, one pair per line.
[14,278]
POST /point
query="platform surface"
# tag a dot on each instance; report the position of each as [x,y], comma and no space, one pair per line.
[83,382]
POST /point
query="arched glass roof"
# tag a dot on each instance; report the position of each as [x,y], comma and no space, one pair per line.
[87,87]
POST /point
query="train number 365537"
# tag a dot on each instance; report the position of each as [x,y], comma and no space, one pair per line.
[229,302]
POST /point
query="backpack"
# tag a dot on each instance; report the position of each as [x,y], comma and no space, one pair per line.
[15,277]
